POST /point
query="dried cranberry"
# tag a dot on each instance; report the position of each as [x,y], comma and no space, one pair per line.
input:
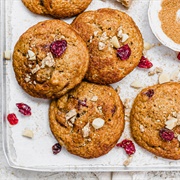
[24,109]
[124,52]
[128,146]
[13,120]
[144,63]
[150,93]
[82,103]
[166,134]
[178,56]
[58,47]
[56,148]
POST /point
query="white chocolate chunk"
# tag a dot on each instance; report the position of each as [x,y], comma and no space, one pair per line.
[70,114]
[115,42]
[98,123]
[31,55]
[136,84]
[171,123]
[147,45]
[94,98]
[178,137]
[125,37]
[27,133]
[120,32]
[164,77]
[37,68]
[7,55]
[86,130]
[141,127]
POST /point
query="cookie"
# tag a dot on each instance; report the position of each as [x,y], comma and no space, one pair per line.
[62,8]
[114,42]
[36,6]
[49,59]
[155,120]
[85,123]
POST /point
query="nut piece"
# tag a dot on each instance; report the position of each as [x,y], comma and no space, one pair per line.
[27,133]
[171,123]
[94,98]
[7,55]
[101,46]
[98,123]
[136,84]
[164,77]
[115,42]
[128,161]
[125,37]
[48,61]
[70,114]
[147,45]
[31,55]
[86,130]
[126,3]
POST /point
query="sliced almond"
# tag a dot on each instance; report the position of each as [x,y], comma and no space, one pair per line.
[31,55]
[94,98]
[7,55]
[125,37]
[136,84]
[98,123]
[164,77]
[126,3]
[128,161]
[27,133]
[170,124]
[174,75]
[86,130]
[115,42]
[70,114]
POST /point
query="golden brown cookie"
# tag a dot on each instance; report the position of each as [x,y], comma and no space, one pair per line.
[155,120]
[108,33]
[66,8]
[87,121]
[49,59]
[36,6]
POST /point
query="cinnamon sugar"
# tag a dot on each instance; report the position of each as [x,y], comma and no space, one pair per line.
[170,19]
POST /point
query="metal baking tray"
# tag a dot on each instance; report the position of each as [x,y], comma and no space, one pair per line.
[35,154]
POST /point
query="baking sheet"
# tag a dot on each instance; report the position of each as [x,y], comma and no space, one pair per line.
[36,153]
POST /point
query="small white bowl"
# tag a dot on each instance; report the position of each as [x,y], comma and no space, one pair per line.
[155,24]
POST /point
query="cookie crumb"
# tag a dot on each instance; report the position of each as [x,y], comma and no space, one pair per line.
[118,89]
[125,3]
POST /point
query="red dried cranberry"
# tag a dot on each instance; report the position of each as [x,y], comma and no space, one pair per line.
[24,109]
[124,52]
[128,146]
[166,134]
[13,120]
[56,148]
[82,103]
[150,93]
[58,47]
[178,56]
[144,63]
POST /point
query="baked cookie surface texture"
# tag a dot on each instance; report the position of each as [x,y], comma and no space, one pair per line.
[36,6]
[114,42]
[66,8]
[155,120]
[49,59]
[88,121]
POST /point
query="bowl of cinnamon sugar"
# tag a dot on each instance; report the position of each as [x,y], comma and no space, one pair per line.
[164,20]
